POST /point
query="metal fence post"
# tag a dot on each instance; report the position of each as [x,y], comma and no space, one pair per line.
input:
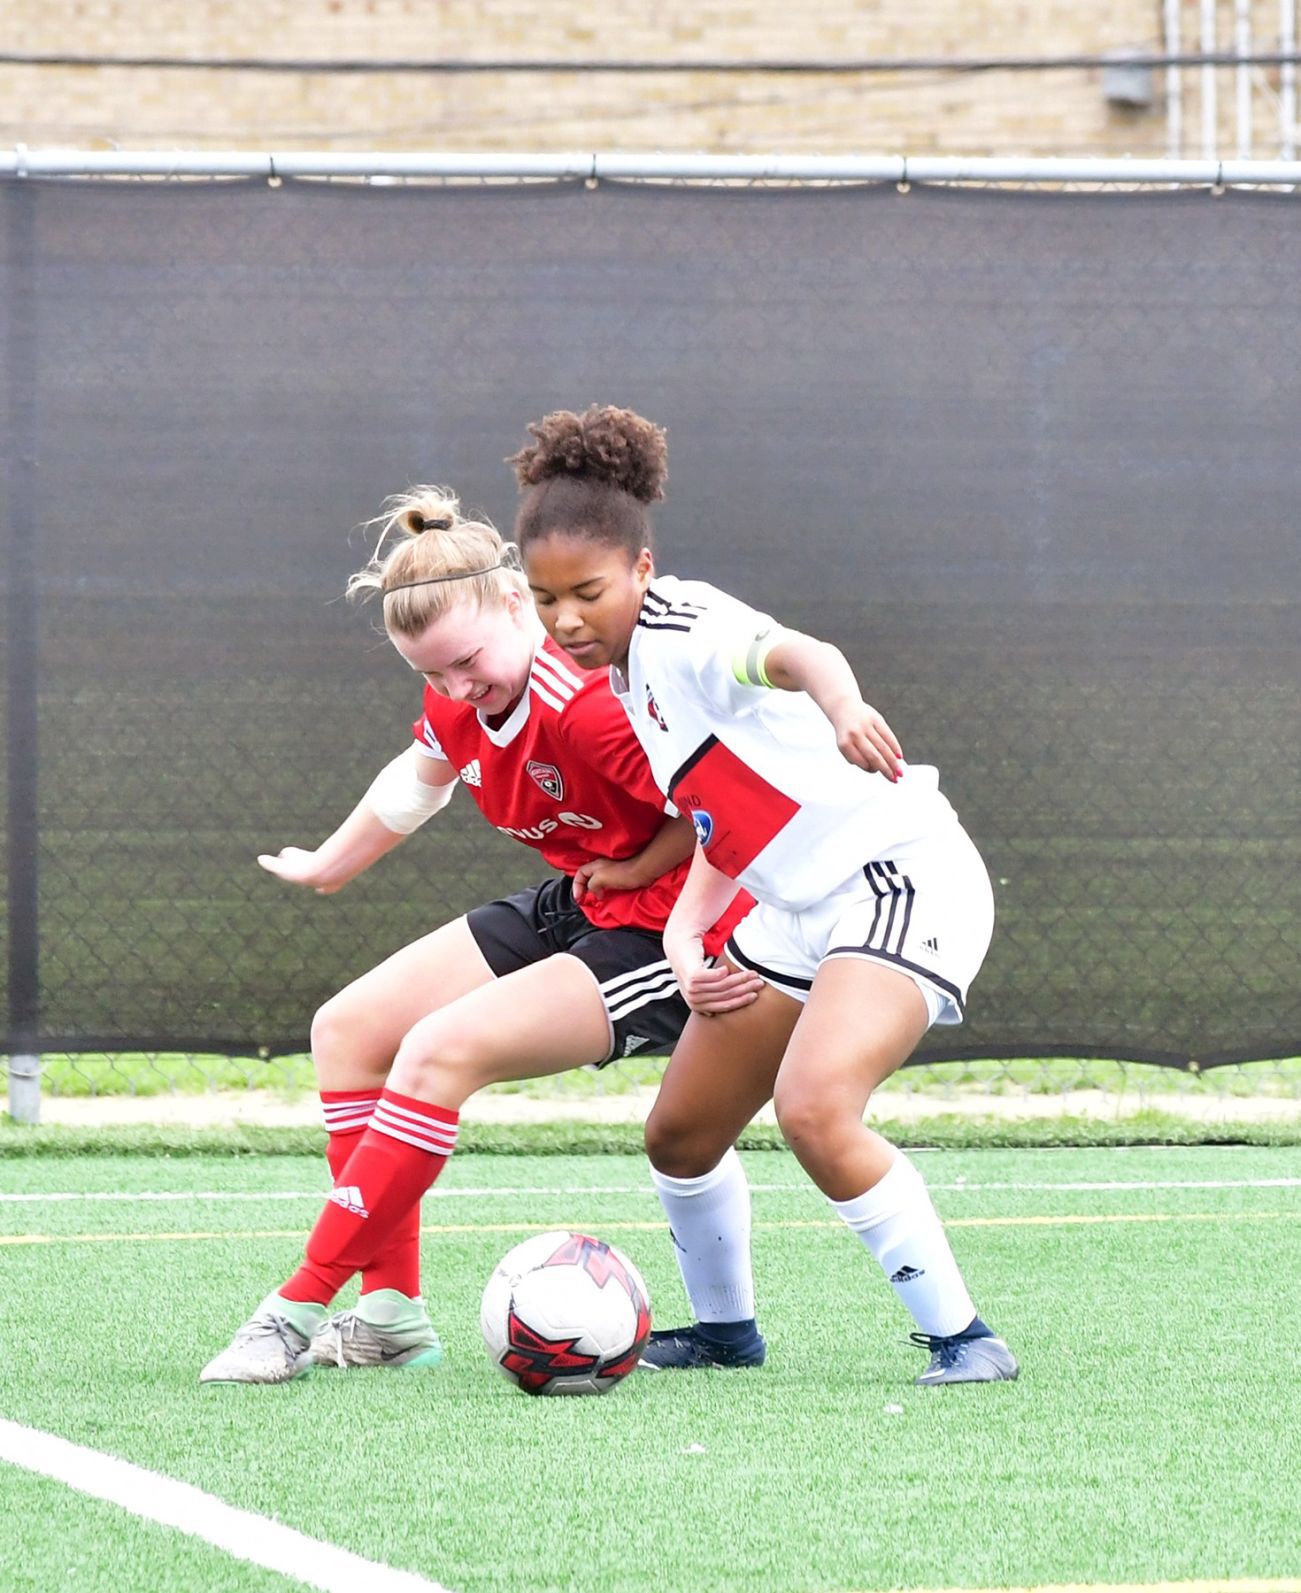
[25,1089]
[21,816]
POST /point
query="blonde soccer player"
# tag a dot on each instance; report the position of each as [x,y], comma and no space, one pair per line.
[874,908]
[568,973]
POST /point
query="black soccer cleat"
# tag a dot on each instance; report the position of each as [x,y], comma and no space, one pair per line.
[690,1348]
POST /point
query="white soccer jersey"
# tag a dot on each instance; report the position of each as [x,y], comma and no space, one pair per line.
[775,804]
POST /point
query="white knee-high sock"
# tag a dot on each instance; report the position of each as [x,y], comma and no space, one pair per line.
[897,1222]
[709,1218]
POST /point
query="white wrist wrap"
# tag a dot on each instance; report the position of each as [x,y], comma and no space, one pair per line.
[400,799]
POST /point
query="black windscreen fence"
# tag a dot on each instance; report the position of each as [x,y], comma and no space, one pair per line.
[1031,460]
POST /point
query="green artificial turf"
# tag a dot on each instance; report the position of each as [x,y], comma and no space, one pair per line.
[570,1137]
[1153,1434]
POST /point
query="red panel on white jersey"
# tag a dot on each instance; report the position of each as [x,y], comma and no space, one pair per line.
[736,811]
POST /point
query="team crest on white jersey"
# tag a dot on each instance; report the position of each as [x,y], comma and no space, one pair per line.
[548,777]
[470,774]
[653,709]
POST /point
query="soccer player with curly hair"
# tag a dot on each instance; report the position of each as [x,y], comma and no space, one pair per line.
[874,908]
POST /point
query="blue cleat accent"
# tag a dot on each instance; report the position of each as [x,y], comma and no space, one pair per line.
[970,1357]
[690,1348]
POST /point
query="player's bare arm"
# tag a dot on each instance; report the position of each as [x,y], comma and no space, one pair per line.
[706,988]
[673,844]
[797,662]
[400,798]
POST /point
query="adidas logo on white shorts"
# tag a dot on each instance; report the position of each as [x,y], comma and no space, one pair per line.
[349,1197]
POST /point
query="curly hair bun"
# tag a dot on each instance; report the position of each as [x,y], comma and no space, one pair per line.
[602,444]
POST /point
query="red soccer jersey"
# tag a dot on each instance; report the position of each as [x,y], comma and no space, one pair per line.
[565,774]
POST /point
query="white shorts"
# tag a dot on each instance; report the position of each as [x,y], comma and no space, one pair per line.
[927,910]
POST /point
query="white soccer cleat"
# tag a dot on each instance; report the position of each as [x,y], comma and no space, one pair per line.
[267,1349]
[980,1357]
[384,1329]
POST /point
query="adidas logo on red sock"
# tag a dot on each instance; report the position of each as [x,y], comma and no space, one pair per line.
[349,1197]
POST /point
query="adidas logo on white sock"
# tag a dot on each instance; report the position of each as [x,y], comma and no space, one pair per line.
[908,1274]
[349,1197]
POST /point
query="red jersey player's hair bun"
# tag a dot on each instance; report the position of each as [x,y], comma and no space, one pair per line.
[430,557]
[591,476]
[602,444]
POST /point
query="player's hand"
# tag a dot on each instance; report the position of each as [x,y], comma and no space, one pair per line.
[866,740]
[603,874]
[710,987]
[296,866]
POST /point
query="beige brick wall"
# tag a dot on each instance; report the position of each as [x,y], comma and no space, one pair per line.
[1042,113]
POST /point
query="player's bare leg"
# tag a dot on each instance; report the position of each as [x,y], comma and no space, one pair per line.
[356,1034]
[863,1021]
[544,1019]
[721,1073]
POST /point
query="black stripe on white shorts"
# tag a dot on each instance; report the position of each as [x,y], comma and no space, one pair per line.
[783,981]
[895,896]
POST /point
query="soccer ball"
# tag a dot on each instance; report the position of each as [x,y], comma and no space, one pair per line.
[565,1314]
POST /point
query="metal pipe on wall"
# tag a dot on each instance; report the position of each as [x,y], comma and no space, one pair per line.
[1210,139]
[1242,75]
[1174,85]
[36,164]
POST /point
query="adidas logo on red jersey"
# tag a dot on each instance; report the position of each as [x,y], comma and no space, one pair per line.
[470,775]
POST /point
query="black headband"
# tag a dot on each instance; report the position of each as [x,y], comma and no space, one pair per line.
[510,560]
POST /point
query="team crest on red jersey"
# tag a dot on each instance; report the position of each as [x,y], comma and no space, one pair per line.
[653,709]
[548,777]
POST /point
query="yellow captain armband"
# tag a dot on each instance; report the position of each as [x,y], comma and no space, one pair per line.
[748,664]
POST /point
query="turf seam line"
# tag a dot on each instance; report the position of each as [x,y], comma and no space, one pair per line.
[242,1534]
[1076,1221]
[507,1191]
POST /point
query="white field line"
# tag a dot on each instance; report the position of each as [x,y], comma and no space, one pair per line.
[240,1533]
[1251,1584]
[506,1192]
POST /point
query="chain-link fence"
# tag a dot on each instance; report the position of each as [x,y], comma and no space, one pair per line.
[1029,458]
[198,1089]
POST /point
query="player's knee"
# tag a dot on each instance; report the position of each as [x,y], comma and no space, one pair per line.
[341,1044]
[442,1063]
[679,1148]
[803,1115]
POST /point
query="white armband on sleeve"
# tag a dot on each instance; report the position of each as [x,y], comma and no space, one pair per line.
[400,799]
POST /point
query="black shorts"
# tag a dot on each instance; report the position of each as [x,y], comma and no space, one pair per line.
[637,984]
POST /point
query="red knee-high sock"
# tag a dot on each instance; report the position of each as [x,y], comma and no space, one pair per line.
[397,1158]
[397,1261]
